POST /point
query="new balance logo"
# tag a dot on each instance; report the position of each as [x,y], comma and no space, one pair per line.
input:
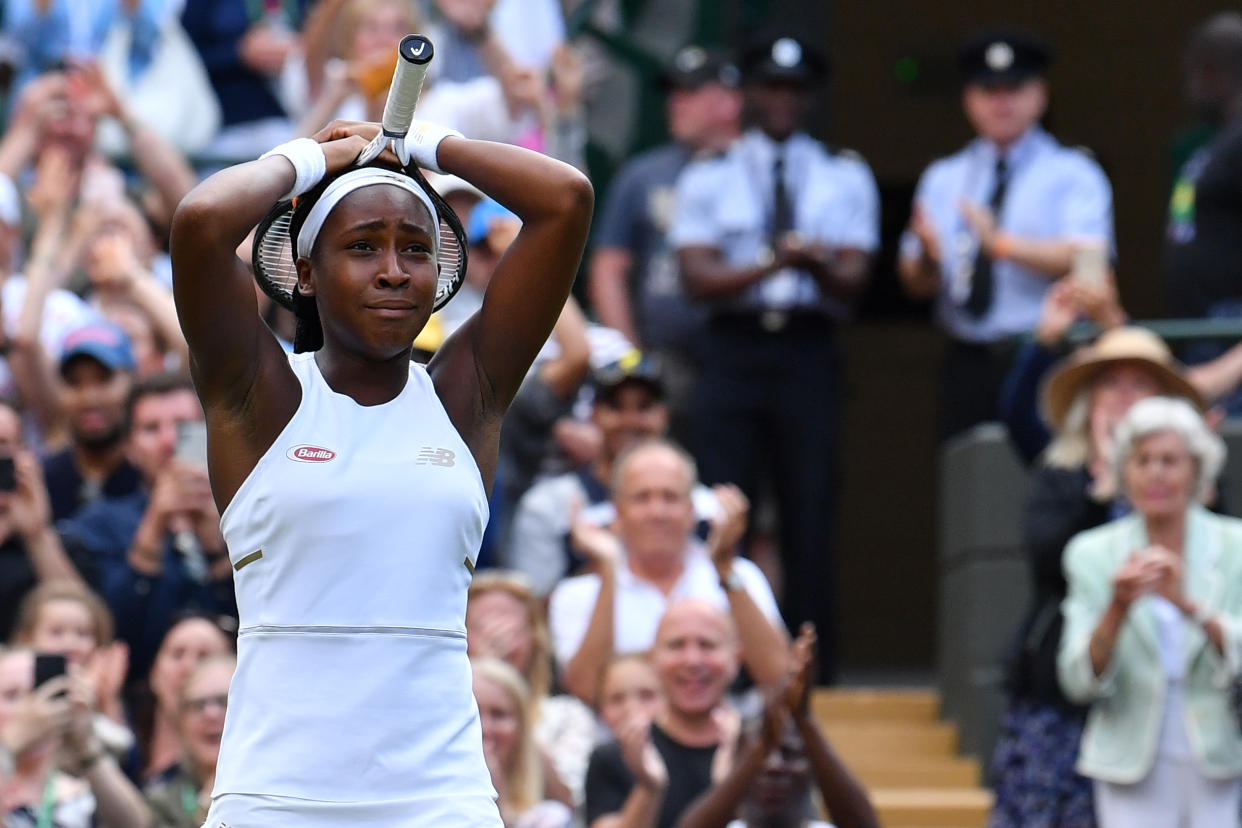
[310,454]
[428,456]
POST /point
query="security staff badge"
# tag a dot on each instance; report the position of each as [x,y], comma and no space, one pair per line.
[661,202]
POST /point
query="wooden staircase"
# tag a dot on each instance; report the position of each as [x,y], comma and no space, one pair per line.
[907,758]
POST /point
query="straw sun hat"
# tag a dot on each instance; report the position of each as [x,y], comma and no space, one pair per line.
[1119,345]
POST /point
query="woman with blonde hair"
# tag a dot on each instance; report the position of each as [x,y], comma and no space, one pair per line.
[509,747]
[506,621]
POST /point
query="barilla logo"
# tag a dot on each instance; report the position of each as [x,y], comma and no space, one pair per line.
[310,454]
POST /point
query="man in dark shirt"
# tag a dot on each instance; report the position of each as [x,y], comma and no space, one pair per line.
[635,285]
[159,551]
[1203,242]
[30,550]
[97,369]
[655,771]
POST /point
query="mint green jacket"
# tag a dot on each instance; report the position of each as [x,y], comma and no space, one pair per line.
[1127,702]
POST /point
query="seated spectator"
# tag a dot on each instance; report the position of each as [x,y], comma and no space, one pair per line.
[1072,491]
[65,618]
[629,691]
[652,772]
[769,786]
[524,783]
[61,776]
[159,550]
[652,561]
[628,408]
[181,798]
[1151,619]
[531,30]
[505,620]
[193,638]
[95,379]
[30,550]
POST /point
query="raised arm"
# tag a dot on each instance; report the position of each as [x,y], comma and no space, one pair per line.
[231,351]
[530,283]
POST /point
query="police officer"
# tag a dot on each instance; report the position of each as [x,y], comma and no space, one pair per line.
[996,223]
[776,236]
[635,286]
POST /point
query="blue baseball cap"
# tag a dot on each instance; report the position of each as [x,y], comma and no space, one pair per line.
[484,218]
[103,342]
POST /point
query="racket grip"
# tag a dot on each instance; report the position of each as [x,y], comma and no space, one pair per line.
[414,56]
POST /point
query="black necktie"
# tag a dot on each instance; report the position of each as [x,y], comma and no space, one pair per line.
[982,286]
[782,211]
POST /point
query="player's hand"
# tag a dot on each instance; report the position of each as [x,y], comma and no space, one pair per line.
[343,141]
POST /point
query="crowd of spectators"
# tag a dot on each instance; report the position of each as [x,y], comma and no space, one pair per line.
[633,665]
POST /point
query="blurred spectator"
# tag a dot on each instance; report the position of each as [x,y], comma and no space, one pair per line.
[65,618]
[1203,240]
[158,550]
[61,777]
[629,690]
[1071,491]
[628,408]
[530,30]
[244,45]
[44,35]
[181,799]
[653,771]
[30,550]
[148,58]
[994,225]
[1064,303]
[97,375]
[1150,640]
[635,286]
[194,637]
[505,620]
[768,786]
[778,235]
[519,771]
[652,561]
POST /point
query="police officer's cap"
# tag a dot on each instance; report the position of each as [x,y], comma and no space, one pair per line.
[784,57]
[1003,56]
[694,66]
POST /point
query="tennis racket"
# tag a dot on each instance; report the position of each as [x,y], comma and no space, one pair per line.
[273,252]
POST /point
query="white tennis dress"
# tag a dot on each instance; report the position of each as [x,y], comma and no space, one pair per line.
[353,541]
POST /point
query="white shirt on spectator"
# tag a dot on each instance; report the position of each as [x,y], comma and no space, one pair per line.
[63,313]
[640,605]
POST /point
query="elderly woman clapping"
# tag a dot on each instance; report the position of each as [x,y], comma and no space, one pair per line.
[1152,623]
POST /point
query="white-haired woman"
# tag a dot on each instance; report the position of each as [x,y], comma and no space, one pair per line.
[1152,641]
[1072,490]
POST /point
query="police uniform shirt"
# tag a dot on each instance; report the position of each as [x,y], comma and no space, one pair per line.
[1054,193]
[726,203]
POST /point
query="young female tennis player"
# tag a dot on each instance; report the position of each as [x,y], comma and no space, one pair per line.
[353,483]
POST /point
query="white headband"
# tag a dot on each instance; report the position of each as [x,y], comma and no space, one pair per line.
[346,184]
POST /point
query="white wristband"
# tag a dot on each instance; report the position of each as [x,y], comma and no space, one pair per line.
[423,140]
[309,163]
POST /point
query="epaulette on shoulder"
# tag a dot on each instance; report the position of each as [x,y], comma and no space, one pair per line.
[847,154]
[1083,150]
